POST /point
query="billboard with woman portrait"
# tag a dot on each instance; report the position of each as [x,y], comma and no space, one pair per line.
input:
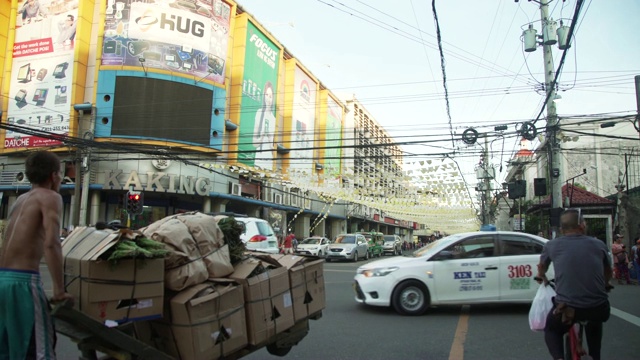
[258,112]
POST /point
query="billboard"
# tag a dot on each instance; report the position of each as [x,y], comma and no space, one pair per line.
[185,36]
[303,117]
[258,113]
[42,71]
[333,138]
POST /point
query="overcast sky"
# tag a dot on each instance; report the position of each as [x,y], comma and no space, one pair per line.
[386,53]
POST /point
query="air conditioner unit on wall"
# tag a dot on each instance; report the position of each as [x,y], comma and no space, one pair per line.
[21,178]
[266,194]
[277,198]
[295,200]
[235,188]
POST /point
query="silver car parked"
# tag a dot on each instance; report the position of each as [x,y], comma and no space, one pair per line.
[392,245]
[348,247]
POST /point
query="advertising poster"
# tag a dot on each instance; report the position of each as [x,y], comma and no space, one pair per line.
[277,219]
[182,36]
[259,88]
[304,115]
[41,75]
[333,138]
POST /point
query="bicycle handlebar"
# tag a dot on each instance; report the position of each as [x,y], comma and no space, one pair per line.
[607,287]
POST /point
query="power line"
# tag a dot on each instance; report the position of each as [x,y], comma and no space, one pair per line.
[442,65]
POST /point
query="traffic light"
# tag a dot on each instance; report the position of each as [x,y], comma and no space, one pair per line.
[135,200]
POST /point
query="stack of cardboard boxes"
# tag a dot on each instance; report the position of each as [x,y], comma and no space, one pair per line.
[131,290]
[264,296]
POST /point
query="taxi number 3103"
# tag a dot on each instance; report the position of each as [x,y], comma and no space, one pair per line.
[518,271]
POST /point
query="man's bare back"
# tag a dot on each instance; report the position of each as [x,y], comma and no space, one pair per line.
[32,216]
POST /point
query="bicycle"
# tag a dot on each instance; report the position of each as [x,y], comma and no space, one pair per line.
[573,349]
[573,339]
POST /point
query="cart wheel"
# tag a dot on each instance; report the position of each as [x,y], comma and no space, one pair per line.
[273,349]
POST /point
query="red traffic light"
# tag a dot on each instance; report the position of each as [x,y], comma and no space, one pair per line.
[134,202]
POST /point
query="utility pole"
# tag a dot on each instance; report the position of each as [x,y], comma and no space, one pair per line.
[555,175]
[487,183]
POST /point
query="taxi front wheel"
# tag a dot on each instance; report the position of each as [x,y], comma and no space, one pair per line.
[411,298]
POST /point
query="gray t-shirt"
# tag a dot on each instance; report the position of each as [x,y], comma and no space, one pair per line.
[578,262]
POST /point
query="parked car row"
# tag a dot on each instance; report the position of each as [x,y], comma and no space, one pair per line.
[363,246]
[258,235]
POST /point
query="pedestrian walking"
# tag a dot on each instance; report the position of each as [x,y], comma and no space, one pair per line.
[288,243]
[620,260]
[635,255]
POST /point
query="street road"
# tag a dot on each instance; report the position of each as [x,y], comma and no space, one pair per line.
[348,330]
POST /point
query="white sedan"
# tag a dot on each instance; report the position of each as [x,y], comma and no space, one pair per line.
[314,245]
[469,268]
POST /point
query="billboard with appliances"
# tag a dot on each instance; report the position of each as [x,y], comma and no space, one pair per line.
[303,117]
[258,113]
[42,71]
[180,36]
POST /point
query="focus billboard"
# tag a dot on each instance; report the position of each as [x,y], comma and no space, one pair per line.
[258,111]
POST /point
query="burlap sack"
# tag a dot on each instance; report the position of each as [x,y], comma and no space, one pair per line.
[184,265]
[210,240]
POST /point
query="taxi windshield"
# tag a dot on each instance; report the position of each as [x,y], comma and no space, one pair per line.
[311,241]
[346,239]
[445,240]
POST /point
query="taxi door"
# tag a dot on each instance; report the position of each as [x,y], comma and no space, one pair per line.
[467,270]
[520,255]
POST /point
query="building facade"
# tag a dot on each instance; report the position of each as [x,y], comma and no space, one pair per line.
[197,107]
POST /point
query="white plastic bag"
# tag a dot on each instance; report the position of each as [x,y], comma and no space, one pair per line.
[540,307]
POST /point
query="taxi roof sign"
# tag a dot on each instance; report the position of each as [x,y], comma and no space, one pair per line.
[488,227]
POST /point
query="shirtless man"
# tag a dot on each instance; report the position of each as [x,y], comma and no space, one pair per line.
[26,329]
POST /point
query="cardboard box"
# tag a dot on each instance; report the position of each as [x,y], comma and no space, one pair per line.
[128,291]
[205,321]
[306,276]
[268,303]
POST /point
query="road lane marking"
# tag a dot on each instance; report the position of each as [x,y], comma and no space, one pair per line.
[626,316]
[457,348]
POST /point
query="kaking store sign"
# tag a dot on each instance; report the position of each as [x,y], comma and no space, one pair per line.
[158,182]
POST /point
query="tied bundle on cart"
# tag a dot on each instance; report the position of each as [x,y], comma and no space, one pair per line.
[204,297]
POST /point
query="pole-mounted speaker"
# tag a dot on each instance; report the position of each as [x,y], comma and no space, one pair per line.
[540,187]
[517,189]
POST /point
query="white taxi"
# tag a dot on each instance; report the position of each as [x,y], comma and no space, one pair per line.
[469,268]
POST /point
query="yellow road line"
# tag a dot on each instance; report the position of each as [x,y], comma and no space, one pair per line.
[457,348]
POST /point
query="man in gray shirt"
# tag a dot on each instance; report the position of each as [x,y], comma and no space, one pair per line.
[582,268]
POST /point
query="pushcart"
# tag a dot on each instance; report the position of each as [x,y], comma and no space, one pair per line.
[92,337]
